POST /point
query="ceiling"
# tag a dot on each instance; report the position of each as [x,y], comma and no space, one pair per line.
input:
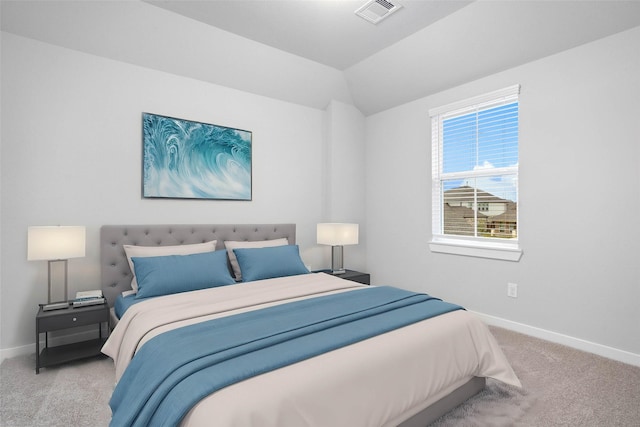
[324,31]
[312,52]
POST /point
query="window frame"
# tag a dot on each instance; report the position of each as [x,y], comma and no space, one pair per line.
[484,247]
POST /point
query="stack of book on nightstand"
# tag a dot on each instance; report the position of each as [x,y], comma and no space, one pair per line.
[85,298]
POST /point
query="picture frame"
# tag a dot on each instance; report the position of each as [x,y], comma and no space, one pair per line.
[185,159]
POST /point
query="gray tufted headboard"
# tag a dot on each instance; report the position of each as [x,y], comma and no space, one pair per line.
[115,272]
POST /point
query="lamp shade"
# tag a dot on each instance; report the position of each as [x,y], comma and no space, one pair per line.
[55,242]
[337,234]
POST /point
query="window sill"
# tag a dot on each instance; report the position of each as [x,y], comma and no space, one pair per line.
[502,251]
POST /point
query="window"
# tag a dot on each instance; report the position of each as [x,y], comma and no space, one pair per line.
[475,176]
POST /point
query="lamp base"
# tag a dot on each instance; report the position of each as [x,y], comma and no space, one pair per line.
[337,264]
[65,271]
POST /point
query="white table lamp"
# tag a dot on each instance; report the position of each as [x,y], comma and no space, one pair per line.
[337,235]
[56,244]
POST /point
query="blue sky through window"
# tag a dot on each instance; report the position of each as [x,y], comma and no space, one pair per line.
[487,138]
[482,140]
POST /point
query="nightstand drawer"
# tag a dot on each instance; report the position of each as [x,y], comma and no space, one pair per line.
[72,318]
[356,276]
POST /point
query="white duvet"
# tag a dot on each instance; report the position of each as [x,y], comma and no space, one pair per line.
[381,381]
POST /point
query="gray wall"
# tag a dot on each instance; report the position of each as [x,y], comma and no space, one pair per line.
[579,198]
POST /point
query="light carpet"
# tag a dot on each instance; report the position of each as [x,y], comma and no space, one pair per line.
[561,387]
[74,394]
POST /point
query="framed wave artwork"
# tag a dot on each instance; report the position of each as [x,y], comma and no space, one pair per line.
[183,159]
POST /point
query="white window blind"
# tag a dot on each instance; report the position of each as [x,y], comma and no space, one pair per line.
[475,170]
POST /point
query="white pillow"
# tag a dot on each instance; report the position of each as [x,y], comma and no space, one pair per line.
[150,251]
[231,245]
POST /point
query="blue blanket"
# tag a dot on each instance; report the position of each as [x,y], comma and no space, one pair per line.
[174,371]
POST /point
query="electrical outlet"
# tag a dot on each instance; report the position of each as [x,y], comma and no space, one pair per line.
[512,290]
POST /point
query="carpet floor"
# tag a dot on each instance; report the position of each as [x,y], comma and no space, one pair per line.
[561,387]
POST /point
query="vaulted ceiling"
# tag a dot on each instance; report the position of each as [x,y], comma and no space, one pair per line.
[312,51]
[325,31]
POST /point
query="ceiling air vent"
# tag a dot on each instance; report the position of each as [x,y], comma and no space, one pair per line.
[375,11]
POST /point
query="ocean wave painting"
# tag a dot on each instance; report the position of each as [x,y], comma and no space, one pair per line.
[192,160]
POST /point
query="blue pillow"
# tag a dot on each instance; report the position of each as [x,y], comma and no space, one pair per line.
[266,263]
[164,275]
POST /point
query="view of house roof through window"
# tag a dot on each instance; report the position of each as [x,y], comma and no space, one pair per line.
[471,211]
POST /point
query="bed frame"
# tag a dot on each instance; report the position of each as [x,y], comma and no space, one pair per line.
[116,276]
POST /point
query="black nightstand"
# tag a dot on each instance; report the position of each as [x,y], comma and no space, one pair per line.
[47,321]
[354,276]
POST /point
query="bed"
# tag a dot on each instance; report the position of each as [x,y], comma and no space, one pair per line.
[408,376]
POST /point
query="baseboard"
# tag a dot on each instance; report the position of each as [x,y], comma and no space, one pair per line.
[7,353]
[577,343]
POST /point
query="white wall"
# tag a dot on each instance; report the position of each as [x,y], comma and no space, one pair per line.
[71,155]
[579,198]
[344,183]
